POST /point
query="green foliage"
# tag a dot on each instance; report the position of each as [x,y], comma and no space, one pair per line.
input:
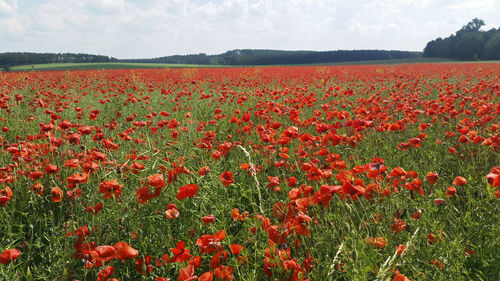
[279,57]
[469,43]
[492,47]
[19,58]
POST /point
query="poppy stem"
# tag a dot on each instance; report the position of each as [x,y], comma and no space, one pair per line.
[254,175]
[335,259]
[388,266]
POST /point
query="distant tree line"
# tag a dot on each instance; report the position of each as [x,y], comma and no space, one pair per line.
[468,43]
[277,57]
[20,58]
[233,57]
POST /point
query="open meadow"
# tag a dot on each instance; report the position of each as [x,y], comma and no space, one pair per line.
[368,172]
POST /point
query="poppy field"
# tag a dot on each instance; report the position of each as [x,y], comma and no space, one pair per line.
[272,173]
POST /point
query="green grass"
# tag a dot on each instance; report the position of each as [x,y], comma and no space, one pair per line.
[119,65]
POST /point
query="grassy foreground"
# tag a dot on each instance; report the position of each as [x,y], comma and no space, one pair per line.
[276,173]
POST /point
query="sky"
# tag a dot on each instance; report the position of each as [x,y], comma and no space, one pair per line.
[155,28]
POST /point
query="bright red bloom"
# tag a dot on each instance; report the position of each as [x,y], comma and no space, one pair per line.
[400,277]
[187,191]
[181,254]
[377,242]
[156,181]
[51,169]
[203,171]
[105,251]
[143,265]
[171,211]
[218,258]
[105,273]
[143,194]
[110,187]
[56,194]
[459,181]
[124,251]
[227,178]
[224,272]
[187,273]
[439,201]
[400,249]
[210,243]
[76,179]
[109,144]
[9,256]
[431,177]
[451,191]
[207,276]
[398,225]
[236,249]
[4,200]
[208,219]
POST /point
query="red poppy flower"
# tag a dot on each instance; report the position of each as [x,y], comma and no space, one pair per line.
[377,242]
[181,254]
[124,251]
[85,130]
[398,225]
[400,249]
[451,191]
[207,276]
[56,194]
[224,272]
[208,219]
[143,265]
[439,201]
[74,139]
[227,178]
[459,181]
[210,243]
[90,167]
[110,187]
[109,144]
[105,251]
[203,171]
[76,179]
[6,192]
[35,175]
[4,200]
[9,256]
[431,177]
[51,169]
[400,277]
[136,167]
[171,211]
[187,191]
[187,273]
[72,163]
[236,249]
[143,194]
[218,258]
[493,178]
[349,188]
[105,273]
[273,181]
[156,181]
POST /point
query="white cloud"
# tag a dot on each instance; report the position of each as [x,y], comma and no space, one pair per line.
[10,20]
[151,28]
